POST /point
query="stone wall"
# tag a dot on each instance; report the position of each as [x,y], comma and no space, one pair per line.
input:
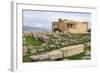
[61,53]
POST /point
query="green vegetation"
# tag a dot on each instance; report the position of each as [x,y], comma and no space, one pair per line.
[32,41]
[75,57]
[26,58]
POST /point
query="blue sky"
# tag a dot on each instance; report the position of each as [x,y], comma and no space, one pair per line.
[44,19]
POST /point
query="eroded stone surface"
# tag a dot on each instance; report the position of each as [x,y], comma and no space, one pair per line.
[72,50]
[56,54]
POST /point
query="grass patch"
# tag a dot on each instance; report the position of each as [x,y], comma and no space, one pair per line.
[26,58]
[76,57]
[31,40]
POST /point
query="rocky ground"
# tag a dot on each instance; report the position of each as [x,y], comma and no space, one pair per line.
[42,43]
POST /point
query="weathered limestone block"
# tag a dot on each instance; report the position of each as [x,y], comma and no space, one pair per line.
[44,57]
[42,49]
[41,57]
[25,49]
[72,50]
[35,57]
[87,45]
[55,55]
[86,57]
[33,51]
[88,53]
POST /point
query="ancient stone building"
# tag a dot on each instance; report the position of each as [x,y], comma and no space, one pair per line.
[70,26]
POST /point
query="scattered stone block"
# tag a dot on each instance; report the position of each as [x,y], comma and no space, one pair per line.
[25,49]
[87,53]
[44,57]
[87,45]
[33,51]
[55,55]
[35,57]
[42,49]
[86,57]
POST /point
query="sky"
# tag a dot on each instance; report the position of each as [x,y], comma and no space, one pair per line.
[44,19]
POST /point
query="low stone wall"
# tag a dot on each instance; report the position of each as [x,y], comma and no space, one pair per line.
[61,53]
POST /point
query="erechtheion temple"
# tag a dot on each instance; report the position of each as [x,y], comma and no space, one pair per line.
[70,26]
